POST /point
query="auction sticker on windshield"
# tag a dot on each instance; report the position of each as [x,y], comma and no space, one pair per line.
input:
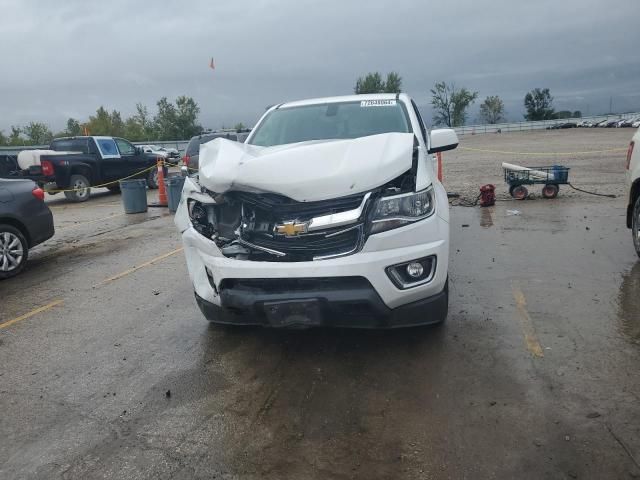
[377,103]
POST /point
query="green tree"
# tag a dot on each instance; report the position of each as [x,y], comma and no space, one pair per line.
[187,111]
[145,121]
[239,127]
[450,104]
[37,133]
[73,127]
[133,131]
[492,110]
[117,125]
[100,123]
[165,120]
[539,104]
[3,139]
[393,83]
[373,83]
[577,114]
[15,136]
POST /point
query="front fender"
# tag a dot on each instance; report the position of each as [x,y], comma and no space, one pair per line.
[181,218]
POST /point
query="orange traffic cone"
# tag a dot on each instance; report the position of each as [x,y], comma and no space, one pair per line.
[162,190]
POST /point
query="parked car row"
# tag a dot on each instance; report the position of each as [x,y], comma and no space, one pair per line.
[562,126]
[611,123]
[160,151]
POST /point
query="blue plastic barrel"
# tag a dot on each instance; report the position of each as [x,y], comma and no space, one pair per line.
[134,195]
[174,191]
[560,173]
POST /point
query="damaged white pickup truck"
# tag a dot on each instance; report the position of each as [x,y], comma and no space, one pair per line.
[330,214]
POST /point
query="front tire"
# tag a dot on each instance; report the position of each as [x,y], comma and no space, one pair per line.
[14,251]
[635,226]
[520,192]
[80,189]
[550,191]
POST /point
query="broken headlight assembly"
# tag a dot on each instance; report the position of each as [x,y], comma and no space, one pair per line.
[399,210]
[202,217]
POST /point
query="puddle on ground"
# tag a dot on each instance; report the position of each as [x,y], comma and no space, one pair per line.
[629,304]
[486,219]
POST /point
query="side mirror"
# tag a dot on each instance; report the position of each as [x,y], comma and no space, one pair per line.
[443,139]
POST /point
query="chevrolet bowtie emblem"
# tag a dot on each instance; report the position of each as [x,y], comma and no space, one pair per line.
[291,229]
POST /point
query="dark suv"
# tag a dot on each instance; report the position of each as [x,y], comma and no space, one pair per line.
[192,152]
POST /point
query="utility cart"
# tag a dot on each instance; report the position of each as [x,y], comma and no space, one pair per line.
[551,177]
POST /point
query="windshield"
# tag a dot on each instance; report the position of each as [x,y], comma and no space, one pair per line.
[331,121]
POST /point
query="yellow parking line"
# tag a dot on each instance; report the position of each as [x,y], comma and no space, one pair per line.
[525,321]
[135,269]
[30,314]
[90,221]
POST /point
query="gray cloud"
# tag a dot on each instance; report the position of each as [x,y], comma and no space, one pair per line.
[62,59]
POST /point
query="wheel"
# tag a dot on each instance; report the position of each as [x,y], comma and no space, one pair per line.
[550,191]
[635,226]
[520,192]
[152,179]
[81,189]
[13,251]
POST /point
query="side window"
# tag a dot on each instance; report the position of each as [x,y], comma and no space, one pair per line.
[192,148]
[125,147]
[107,147]
[422,127]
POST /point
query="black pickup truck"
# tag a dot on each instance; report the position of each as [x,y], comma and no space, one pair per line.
[85,162]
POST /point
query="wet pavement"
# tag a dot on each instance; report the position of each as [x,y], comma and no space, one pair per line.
[534,375]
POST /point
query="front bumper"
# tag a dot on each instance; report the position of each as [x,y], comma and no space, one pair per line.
[339,302]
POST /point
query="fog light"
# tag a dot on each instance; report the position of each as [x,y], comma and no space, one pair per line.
[413,273]
[415,269]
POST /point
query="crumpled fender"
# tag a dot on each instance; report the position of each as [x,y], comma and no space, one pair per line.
[306,171]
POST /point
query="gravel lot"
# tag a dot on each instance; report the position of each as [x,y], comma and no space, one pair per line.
[467,168]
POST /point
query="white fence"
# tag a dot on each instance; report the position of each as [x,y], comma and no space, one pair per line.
[538,125]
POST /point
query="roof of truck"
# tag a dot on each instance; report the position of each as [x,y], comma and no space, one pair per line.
[347,98]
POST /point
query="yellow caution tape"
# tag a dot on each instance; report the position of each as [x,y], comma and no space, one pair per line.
[543,154]
[103,184]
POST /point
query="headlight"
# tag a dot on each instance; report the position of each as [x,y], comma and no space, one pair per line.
[399,210]
[202,217]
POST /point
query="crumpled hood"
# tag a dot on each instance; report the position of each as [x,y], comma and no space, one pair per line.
[306,171]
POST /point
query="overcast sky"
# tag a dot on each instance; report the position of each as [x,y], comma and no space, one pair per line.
[61,59]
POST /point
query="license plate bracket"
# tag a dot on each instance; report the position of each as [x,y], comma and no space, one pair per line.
[306,312]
